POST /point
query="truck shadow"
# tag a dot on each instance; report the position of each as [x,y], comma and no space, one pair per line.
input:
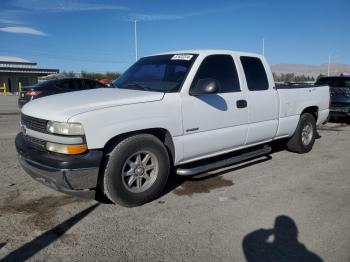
[206,182]
[2,245]
[215,101]
[339,120]
[279,243]
[31,248]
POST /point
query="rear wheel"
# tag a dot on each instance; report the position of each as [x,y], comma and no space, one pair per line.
[137,170]
[303,138]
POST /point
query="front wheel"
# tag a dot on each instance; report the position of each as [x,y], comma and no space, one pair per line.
[304,136]
[137,170]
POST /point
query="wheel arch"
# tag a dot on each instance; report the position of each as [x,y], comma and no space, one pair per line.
[161,133]
[313,110]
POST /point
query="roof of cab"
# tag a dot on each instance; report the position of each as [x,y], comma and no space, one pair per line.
[211,52]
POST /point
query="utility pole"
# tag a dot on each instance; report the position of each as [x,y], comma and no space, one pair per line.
[263,46]
[329,64]
[135,36]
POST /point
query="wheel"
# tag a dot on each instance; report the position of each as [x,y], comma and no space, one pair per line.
[137,170]
[303,138]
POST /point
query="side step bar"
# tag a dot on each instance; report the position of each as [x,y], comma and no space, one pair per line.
[182,171]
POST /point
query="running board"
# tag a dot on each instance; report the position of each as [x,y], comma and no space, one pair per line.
[182,171]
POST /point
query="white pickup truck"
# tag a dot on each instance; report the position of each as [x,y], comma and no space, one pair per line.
[167,111]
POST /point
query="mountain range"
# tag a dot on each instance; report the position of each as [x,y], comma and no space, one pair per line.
[311,70]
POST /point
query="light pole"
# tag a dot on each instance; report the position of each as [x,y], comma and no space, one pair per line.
[263,46]
[135,38]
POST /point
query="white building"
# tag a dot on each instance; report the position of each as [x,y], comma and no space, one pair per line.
[15,70]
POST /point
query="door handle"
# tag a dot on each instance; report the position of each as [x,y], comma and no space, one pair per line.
[241,103]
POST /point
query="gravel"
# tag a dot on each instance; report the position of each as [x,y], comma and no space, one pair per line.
[205,218]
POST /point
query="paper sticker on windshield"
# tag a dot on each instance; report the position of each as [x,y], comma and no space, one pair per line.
[182,57]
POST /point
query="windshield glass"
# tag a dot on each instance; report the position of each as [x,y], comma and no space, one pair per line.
[161,73]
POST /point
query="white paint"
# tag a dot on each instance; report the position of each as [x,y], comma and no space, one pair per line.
[201,127]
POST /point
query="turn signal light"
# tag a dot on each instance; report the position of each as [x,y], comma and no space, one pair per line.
[66,149]
[76,149]
[33,93]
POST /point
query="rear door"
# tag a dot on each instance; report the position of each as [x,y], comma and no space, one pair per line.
[213,123]
[263,101]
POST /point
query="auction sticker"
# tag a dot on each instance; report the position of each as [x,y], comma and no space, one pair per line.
[182,57]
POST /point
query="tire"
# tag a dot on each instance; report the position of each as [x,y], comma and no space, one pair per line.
[298,142]
[129,179]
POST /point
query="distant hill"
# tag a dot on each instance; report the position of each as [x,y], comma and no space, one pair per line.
[310,70]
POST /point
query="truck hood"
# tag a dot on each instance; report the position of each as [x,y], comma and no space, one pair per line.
[61,107]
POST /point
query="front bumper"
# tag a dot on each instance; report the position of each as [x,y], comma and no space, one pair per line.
[340,110]
[75,175]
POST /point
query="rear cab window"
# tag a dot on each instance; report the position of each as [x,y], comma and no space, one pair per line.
[255,73]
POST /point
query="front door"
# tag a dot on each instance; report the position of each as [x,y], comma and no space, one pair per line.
[215,123]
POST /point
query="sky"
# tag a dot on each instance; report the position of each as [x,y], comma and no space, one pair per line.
[92,35]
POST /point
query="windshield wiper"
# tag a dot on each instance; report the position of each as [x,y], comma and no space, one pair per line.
[113,85]
[138,87]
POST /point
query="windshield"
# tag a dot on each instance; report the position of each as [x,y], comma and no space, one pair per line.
[161,73]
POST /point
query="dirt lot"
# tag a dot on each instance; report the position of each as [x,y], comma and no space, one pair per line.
[287,207]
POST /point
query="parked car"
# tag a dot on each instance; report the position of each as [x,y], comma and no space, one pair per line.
[340,94]
[172,110]
[57,86]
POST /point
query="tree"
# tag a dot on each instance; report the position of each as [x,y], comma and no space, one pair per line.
[99,76]
[319,76]
[291,77]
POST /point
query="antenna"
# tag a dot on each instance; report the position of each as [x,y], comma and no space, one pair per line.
[135,36]
[263,46]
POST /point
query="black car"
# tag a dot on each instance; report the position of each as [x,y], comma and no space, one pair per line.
[57,86]
[340,94]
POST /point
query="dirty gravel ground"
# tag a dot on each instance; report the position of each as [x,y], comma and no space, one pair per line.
[205,218]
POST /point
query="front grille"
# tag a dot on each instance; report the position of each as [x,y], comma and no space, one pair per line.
[33,123]
[35,142]
[340,91]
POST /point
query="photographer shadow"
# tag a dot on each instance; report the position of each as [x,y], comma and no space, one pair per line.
[277,244]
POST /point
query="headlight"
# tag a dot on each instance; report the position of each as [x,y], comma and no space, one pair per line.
[69,129]
[66,149]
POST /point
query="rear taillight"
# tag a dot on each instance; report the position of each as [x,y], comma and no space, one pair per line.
[32,93]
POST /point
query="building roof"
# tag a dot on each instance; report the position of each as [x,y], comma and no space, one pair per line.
[13,59]
[12,64]
[37,71]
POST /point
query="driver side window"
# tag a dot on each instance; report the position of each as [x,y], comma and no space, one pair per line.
[221,68]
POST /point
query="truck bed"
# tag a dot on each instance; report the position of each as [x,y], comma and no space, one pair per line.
[295,85]
[294,99]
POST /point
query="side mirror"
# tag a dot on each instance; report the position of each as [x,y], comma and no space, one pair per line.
[205,86]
